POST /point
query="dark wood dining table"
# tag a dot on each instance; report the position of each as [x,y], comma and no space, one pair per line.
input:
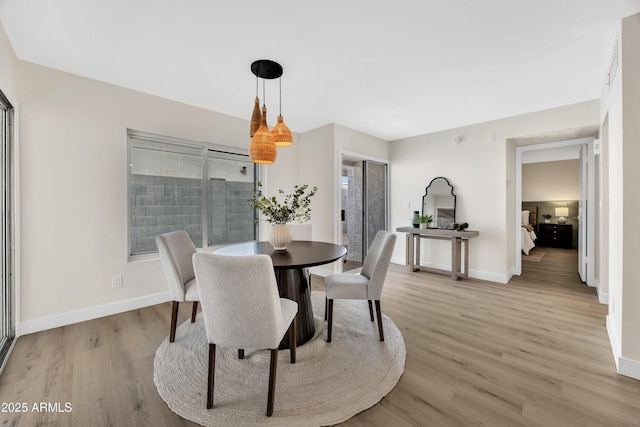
[291,270]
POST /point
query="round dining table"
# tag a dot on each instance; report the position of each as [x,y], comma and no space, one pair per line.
[291,270]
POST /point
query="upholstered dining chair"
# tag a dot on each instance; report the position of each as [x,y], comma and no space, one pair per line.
[365,285]
[176,250]
[241,308]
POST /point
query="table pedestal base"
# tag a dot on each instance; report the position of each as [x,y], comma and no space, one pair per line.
[294,285]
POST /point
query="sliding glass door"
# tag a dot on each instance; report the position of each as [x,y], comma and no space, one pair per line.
[375,199]
[364,206]
[7,329]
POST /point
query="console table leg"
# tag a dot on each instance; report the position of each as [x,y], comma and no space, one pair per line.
[454,258]
[416,244]
[410,252]
[465,268]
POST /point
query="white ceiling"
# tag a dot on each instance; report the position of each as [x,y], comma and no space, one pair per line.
[392,69]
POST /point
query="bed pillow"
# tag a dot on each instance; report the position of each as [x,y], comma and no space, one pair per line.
[525,217]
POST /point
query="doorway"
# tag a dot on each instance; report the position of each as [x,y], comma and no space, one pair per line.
[363,206]
[582,150]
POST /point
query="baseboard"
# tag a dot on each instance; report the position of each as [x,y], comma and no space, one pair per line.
[90,313]
[629,368]
[490,277]
[399,261]
[510,274]
[624,366]
[603,297]
[476,274]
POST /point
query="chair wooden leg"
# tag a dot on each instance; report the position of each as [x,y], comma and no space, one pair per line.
[370,309]
[194,311]
[379,314]
[330,317]
[326,302]
[272,380]
[174,321]
[241,353]
[292,341]
[211,376]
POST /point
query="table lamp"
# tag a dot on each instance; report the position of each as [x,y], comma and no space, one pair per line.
[562,213]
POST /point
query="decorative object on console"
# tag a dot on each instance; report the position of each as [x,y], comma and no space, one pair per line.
[295,207]
[414,219]
[547,218]
[562,213]
[425,220]
[263,141]
[460,227]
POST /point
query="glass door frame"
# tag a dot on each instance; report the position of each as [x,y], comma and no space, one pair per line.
[351,156]
[7,295]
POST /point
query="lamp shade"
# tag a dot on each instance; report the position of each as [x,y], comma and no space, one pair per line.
[256,118]
[263,147]
[562,211]
[281,133]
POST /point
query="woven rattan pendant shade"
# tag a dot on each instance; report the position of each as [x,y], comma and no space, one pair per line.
[263,147]
[256,118]
[281,133]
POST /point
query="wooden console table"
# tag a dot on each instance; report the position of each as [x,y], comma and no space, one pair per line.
[459,265]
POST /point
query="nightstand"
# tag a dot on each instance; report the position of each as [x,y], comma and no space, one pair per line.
[555,236]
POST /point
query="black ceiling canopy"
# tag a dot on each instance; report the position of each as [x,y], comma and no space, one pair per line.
[266,69]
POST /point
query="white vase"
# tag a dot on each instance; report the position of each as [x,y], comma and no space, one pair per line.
[280,236]
[424,225]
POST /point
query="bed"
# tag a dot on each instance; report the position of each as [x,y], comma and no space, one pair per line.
[529,222]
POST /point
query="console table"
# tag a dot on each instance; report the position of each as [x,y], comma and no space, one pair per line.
[459,239]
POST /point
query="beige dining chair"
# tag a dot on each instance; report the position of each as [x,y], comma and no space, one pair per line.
[176,250]
[241,308]
[365,285]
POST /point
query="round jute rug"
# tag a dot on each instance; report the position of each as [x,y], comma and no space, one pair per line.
[328,384]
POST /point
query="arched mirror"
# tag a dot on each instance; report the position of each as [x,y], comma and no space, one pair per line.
[439,201]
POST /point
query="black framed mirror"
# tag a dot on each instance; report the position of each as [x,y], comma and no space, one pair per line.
[440,202]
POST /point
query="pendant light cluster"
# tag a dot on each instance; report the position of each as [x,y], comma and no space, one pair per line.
[263,140]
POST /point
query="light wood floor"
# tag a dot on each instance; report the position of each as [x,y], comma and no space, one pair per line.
[534,352]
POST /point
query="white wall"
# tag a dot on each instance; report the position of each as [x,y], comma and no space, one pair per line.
[631,138]
[621,108]
[353,141]
[316,168]
[320,165]
[548,181]
[481,169]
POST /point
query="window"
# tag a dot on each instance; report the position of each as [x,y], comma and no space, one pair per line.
[178,185]
[7,328]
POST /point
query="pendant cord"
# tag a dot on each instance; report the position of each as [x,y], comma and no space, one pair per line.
[280,84]
[264,97]
[256,85]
